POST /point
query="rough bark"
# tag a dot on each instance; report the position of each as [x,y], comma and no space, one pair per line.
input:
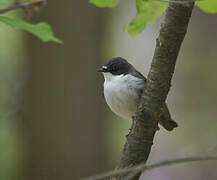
[172,32]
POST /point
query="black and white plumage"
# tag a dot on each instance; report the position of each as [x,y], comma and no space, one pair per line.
[123,88]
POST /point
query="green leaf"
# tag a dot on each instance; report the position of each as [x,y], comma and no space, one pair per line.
[208,6]
[4,2]
[104,3]
[42,30]
[147,12]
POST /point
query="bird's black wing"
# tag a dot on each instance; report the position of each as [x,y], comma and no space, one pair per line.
[166,121]
[138,75]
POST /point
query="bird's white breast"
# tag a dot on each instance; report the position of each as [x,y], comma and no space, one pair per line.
[122,93]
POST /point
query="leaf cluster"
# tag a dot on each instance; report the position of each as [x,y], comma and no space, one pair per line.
[42,30]
[150,10]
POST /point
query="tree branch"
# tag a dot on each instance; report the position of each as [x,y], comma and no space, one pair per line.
[23,5]
[144,126]
[142,167]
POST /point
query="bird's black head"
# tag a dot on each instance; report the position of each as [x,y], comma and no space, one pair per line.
[116,66]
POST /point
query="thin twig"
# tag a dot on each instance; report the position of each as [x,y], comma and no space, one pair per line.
[142,167]
[23,5]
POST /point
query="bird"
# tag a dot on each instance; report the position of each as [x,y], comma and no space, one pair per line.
[123,88]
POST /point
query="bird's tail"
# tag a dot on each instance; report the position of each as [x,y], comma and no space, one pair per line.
[166,120]
[169,125]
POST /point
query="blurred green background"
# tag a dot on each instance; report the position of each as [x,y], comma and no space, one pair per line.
[54,122]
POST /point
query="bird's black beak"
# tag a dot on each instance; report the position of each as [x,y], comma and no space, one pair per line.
[100,70]
[103,69]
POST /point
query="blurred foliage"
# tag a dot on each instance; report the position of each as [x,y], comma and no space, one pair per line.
[11,55]
[105,3]
[115,137]
[41,30]
[10,167]
[148,11]
[4,2]
[208,6]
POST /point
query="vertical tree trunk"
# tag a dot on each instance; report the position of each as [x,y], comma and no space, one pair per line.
[140,139]
[63,124]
